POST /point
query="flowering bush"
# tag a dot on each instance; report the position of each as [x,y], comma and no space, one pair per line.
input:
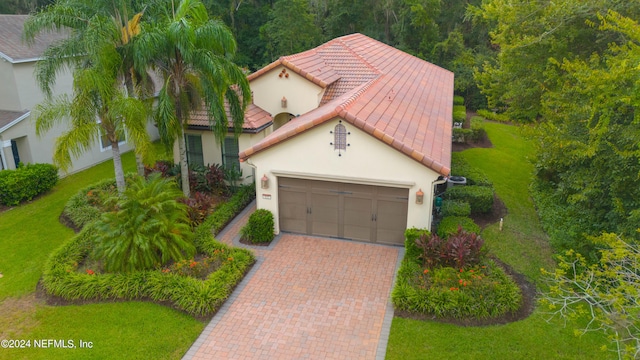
[202,267]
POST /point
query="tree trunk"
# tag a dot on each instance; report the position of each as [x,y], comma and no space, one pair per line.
[139,164]
[184,166]
[117,166]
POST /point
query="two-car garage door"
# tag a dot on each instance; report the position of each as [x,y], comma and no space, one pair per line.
[353,211]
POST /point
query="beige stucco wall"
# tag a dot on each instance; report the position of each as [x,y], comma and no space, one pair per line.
[34,149]
[9,98]
[212,150]
[302,95]
[366,161]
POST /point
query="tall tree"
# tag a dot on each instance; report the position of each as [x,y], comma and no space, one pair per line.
[194,56]
[93,26]
[99,106]
[277,32]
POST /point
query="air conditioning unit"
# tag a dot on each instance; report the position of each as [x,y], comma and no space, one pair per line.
[456,180]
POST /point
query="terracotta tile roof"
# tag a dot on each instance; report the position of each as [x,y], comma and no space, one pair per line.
[13,49]
[255,119]
[404,101]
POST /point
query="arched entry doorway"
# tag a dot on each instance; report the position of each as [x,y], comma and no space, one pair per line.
[281,119]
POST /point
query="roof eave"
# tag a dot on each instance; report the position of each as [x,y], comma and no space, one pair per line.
[14,122]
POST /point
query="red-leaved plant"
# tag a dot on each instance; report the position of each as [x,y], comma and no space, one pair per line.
[460,250]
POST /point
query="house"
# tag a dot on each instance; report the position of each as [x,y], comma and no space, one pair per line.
[361,135]
[19,93]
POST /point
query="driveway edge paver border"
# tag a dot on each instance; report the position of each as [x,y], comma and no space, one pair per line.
[381,351]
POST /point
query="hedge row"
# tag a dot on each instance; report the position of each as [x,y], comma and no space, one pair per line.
[455,208]
[196,297]
[26,182]
[449,225]
[459,113]
[479,197]
[483,291]
[460,167]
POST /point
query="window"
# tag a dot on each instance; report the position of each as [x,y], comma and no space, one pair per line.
[230,152]
[105,144]
[194,149]
[340,137]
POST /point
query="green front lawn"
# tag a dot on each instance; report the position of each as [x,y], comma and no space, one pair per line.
[29,233]
[522,244]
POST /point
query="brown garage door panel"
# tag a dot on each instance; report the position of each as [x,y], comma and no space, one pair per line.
[324,214]
[352,211]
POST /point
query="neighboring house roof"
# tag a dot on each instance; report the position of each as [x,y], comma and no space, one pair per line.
[13,49]
[400,99]
[10,118]
[255,120]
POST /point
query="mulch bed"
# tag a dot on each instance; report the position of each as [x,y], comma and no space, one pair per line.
[528,289]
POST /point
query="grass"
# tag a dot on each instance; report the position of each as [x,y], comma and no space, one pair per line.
[523,244]
[30,232]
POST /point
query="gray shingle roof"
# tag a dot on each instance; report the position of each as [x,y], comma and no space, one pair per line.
[13,49]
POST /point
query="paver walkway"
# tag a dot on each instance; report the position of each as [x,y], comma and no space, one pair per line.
[306,298]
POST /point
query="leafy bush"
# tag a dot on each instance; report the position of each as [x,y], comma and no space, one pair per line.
[461,135]
[187,293]
[459,113]
[149,227]
[198,207]
[165,167]
[483,291]
[461,167]
[458,100]
[26,182]
[259,228]
[479,197]
[455,208]
[450,224]
[461,249]
[224,213]
[477,128]
[479,291]
[493,116]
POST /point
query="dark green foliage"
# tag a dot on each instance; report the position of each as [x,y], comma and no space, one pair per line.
[458,100]
[459,113]
[26,182]
[148,228]
[259,228]
[186,293]
[460,167]
[491,115]
[455,208]
[88,203]
[460,250]
[450,225]
[479,291]
[224,213]
[199,206]
[461,135]
[477,128]
[479,197]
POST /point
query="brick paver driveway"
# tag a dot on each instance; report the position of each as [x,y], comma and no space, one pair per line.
[306,298]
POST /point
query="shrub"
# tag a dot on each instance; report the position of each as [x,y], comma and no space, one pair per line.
[214,177]
[224,213]
[460,250]
[459,113]
[450,225]
[493,116]
[412,251]
[477,128]
[149,228]
[198,207]
[455,208]
[259,228]
[461,135]
[165,167]
[458,100]
[461,167]
[26,182]
[479,197]
[187,293]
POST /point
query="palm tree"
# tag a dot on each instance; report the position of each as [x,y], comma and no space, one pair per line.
[93,26]
[149,228]
[194,56]
[99,106]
